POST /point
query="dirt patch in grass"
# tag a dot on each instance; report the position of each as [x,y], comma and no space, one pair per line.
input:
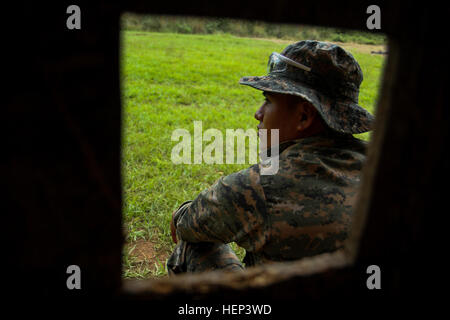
[363,48]
[143,250]
[146,259]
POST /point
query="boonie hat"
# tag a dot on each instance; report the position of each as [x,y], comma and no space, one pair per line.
[323,74]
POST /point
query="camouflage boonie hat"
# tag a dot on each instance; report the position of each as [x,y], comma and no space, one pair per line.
[331,86]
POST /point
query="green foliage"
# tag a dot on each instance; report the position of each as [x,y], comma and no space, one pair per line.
[183,27]
[170,80]
[151,23]
[244,28]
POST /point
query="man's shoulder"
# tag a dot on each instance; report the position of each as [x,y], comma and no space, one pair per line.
[333,141]
[304,161]
[246,177]
[315,149]
[298,157]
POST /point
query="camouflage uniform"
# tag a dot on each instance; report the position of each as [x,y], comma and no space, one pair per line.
[305,208]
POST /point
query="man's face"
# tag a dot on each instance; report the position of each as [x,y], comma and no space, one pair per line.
[278,112]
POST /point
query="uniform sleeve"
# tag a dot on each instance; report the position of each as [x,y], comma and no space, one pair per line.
[233,209]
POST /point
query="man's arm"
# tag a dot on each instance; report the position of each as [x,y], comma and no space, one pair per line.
[231,210]
[173,229]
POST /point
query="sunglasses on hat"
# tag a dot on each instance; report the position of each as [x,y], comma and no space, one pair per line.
[279,63]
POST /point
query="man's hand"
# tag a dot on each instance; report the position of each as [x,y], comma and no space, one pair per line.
[173,230]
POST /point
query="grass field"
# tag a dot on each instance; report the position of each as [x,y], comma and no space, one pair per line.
[169,81]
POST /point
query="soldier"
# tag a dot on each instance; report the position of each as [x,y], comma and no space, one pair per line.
[305,209]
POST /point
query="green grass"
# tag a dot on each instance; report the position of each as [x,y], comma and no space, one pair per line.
[169,81]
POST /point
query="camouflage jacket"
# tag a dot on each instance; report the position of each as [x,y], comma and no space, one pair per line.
[303,210]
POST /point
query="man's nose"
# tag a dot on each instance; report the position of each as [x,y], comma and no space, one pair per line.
[259,114]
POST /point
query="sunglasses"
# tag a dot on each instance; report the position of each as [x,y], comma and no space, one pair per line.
[279,63]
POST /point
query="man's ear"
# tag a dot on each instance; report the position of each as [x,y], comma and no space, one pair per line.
[306,116]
